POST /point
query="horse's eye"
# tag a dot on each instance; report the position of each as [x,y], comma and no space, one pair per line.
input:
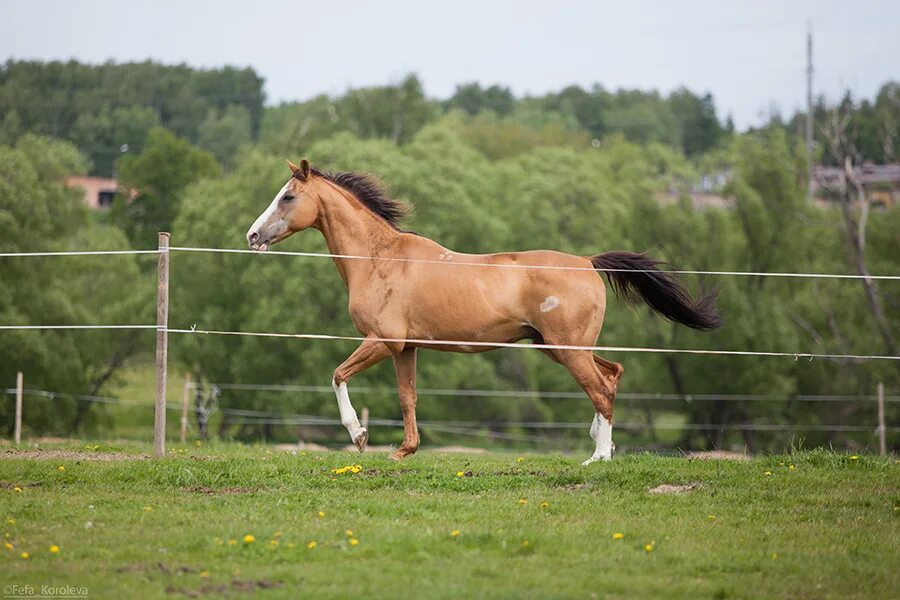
[287,198]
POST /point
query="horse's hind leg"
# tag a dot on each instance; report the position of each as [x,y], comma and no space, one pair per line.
[405,365]
[586,369]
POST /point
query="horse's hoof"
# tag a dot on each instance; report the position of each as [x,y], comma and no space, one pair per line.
[594,459]
[396,455]
[362,440]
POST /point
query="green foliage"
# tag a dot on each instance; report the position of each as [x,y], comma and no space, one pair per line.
[37,213]
[158,177]
[101,107]
[223,134]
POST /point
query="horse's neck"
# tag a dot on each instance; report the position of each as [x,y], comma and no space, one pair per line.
[350,229]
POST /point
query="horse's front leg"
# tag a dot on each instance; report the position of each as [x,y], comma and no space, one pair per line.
[405,365]
[369,353]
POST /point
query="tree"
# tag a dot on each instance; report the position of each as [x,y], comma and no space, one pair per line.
[38,213]
[224,133]
[157,177]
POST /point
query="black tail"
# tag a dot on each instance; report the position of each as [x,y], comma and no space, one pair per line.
[637,277]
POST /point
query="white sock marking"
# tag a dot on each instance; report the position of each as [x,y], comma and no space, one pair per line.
[348,414]
[601,432]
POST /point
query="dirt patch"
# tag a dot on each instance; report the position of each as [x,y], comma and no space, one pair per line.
[675,488]
[6,485]
[577,487]
[458,450]
[237,585]
[717,455]
[208,491]
[54,454]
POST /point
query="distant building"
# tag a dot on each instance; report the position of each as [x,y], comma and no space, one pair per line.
[881,183]
[98,191]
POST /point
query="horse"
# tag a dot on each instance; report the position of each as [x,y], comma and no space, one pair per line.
[408,292]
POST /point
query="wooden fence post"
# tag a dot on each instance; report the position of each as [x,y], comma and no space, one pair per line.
[882,431]
[185,398]
[162,343]
[17,437]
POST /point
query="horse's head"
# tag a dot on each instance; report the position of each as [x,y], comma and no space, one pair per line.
[294,208]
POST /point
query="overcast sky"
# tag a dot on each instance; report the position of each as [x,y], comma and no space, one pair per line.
[749,54]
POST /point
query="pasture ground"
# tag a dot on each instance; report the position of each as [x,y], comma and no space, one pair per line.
[528,526]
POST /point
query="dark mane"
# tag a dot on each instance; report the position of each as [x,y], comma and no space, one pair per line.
[370,192]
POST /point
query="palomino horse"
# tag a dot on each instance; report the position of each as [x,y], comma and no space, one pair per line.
[413,290]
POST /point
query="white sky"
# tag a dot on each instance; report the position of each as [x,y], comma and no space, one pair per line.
[749,54]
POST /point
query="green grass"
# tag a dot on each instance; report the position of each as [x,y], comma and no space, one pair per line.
[826,529]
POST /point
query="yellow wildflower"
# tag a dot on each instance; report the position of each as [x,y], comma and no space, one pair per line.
[854,457]
[148,508]
[311,545]
[354,542]
[321,514]
[11,521]
[349,533]
[775,556]
[649,547]
[8,546]
[25,556]
[545,504]
[525,543]
[54,549]
[273,543]
[618,536]
[61,467]
[791,467]
[523,501]
[459,473]
[767,473]
[17,489]
[520,459]
[454,533]
[712,517]
[249,539]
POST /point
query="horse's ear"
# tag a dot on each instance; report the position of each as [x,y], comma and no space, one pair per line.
[294,168]
[304,168]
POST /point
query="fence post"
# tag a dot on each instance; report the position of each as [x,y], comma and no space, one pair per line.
[184,406]
[882,431]
[17,436]
[162,344]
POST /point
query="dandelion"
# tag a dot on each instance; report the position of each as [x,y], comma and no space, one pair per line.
[25,556]
[545,504]
[854,457]
[8,546]
[649,547]
[321,514]
[311,545]
[198,443]
[232,542]
[525,543]
[273,543]
[522,501]
[791,467]
[17,489]
[61,467]
[774,556]
[454,533]
[354,542]
[349,533]
[204,574]
[11,521]
[781,464]
[520,459]
[54,549]
[459,473]
[768,473]
[249,539]
[148,508]
[712,517]
[618,536]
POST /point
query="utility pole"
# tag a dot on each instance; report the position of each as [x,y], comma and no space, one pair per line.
[809,110]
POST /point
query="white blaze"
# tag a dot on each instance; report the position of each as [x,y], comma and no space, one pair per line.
[267,214]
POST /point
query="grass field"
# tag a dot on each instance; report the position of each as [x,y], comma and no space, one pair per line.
[528,526]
